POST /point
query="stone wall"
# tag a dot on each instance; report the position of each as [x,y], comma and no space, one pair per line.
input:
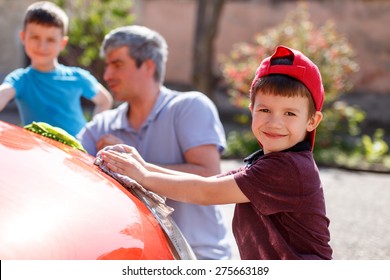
[11,51]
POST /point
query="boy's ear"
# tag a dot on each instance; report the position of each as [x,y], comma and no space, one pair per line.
[314,121]
[64,42]
[22,36]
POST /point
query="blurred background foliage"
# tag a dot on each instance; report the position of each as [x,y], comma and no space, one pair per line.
[339,140]
[90,21]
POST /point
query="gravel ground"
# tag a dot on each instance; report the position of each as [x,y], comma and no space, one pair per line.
[357,208]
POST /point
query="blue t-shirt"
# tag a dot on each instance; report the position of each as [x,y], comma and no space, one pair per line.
[53,97]
[178,122]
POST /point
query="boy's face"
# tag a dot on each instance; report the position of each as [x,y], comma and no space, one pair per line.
[43,44]
[280,122]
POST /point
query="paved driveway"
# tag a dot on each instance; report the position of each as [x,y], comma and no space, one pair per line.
[358,208]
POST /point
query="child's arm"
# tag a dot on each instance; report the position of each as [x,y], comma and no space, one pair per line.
[203,160]
[176,185]
[7,92]
[103,100]
[131,151]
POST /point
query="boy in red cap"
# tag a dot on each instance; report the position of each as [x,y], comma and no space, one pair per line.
[280,208]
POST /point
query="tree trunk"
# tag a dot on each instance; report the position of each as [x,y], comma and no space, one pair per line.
[208,15]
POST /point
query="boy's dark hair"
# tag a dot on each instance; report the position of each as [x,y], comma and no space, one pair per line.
[47,14]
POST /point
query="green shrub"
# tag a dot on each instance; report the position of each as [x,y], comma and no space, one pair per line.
[90,21]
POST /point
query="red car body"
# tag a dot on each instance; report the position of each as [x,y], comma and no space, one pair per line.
[56,204]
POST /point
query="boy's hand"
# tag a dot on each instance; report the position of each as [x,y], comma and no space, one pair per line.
[125,163]
[133,152]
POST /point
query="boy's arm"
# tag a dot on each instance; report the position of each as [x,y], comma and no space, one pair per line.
[7,92]
[176,185]
[203,160]
[103,100]
[132,152]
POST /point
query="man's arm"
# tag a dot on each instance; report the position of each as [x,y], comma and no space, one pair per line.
[7,92]
[103,100]
[202,160]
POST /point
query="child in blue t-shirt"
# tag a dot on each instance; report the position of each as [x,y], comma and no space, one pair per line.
[47,91]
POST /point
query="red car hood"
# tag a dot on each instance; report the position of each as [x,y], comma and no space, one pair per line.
[56,204]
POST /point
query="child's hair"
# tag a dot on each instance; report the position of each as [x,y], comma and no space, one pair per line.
[47,14]
[282,85]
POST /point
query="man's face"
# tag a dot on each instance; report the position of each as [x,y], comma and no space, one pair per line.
[122,75]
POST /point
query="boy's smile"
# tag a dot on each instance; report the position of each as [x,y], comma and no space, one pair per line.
[280,122]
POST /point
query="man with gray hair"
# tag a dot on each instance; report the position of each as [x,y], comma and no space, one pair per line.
[177,130]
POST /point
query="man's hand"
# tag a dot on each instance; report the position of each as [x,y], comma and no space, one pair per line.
[108,140]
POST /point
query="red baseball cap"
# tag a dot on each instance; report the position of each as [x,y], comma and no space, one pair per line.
[302,69]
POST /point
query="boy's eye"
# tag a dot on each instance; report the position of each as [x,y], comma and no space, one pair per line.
[290,114]
[263,110]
